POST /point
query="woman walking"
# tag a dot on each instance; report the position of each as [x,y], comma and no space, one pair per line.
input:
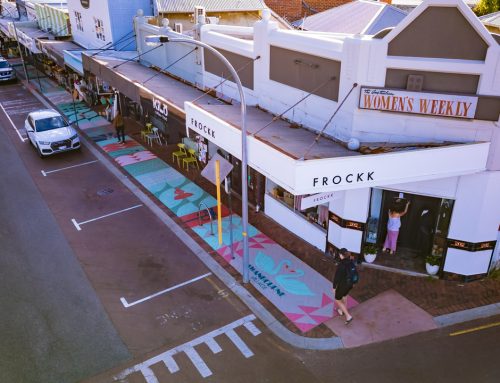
[342,284]
[120,127]
[393,225]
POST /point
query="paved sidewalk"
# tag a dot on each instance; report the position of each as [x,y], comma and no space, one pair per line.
[178,194]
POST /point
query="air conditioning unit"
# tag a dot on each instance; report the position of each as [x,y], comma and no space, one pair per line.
[199,11]
[178,27]
[212,20]
[415,82]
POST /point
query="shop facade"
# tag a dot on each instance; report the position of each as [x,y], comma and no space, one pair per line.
[418,126]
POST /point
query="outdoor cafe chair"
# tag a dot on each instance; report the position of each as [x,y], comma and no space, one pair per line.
[148,129]
[181,153]
[191,158]
[154,136]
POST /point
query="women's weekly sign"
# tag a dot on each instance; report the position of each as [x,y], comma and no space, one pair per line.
[445,105]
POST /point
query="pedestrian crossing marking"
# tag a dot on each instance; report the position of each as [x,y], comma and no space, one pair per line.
[189,349]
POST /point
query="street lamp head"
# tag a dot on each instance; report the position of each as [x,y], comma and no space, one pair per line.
[156,40]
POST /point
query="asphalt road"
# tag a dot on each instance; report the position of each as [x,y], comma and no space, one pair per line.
[123,295]
[53,328]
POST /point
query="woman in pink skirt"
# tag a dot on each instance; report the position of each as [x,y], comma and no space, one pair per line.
[393,225]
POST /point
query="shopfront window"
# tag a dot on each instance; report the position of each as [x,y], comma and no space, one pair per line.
[316,214]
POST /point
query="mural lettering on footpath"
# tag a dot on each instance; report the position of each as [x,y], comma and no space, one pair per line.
[444,105]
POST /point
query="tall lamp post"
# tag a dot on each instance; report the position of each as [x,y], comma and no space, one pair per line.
[244,161]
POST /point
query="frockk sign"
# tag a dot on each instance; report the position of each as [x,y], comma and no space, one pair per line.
[443,105]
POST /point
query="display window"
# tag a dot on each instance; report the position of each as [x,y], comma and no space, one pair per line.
[317,215]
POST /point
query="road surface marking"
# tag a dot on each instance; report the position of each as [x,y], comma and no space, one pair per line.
[188,349]
[68,167]
[126,304]
[238,342]
[200,365]
[475,329]
[12,123]
[78,224]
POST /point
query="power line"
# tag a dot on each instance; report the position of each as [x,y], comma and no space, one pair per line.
[275,118]
[328,122]
[226,79]
[175,62]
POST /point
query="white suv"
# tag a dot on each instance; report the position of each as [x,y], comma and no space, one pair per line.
[7,73]
[50,133]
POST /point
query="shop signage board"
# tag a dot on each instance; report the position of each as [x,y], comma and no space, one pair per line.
[318,199]
[209,171]
[161,108]
[325,175]
[434,104]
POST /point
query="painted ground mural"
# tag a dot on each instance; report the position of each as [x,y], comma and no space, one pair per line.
[298,291]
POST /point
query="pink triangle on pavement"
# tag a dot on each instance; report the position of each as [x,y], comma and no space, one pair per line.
[326,300]
[308,309]
[293,316]
[320,318]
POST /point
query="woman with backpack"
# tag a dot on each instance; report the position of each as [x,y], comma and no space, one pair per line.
[342,284]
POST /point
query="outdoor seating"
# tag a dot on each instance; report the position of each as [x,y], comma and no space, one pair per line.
[148,129]
[181,153]
[191,158]
[154,136]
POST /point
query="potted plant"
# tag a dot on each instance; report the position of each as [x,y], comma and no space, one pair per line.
[432,264]
[369,252]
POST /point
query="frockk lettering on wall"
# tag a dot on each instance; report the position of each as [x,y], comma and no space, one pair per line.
[443,105]
[203,128]
[343,179]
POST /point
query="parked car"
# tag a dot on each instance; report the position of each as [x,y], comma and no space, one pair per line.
[7,73]
[50,133]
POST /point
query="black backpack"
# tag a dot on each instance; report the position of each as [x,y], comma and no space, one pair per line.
[352,273]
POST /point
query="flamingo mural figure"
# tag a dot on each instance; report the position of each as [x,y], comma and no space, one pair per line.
[288,282]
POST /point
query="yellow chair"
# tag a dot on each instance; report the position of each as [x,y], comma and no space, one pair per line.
[148,129]
[181,153]
[190,159]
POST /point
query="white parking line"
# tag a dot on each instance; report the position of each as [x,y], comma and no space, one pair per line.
[78,224]
[68,167]
[126,304]
[12,123]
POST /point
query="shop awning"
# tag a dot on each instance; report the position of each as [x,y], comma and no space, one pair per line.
[4,27]
[28,37]
[136,81]
[283,152]
[55,49]
[327,165]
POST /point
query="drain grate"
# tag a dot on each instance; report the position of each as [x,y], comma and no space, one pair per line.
[105,191]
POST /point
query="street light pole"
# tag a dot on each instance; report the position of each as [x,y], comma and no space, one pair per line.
[244,160]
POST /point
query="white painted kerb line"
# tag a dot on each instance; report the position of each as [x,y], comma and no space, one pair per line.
[12,123]
[126,304]
[78,224]
[68,167]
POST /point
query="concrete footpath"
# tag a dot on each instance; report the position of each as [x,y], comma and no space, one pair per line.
[386,305]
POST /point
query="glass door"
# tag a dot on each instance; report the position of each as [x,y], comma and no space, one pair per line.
[442,227]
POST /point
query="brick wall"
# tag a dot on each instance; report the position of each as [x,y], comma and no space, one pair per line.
[293,9]
[289,9]
[323,5]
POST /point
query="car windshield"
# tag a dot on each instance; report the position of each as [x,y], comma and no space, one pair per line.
[50,123]
[4,64]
